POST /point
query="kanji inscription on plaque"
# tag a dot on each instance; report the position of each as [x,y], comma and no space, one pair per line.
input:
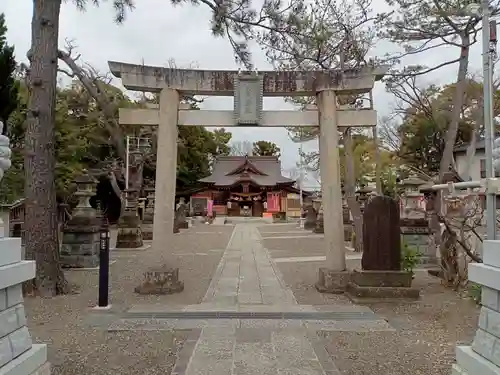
[248,90]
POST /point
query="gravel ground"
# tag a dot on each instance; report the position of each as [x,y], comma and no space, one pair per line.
[294,247]
[426,334]
[75,347]
[278,228]
[426,331]
[425,340]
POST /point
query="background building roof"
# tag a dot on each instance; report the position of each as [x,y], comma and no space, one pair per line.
[268,170]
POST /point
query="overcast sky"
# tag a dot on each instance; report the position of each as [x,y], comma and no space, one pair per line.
[157,32]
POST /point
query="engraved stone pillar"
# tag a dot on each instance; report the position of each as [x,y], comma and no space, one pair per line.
[18,353]
[129,225]
[334,277]
[80,242]
[148,220]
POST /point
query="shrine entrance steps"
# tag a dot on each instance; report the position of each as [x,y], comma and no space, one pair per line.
[249,321]
[248,220]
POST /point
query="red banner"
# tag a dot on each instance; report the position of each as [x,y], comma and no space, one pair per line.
[273,202]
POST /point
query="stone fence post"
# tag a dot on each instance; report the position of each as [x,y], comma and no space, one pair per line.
[483,356]
[18,354]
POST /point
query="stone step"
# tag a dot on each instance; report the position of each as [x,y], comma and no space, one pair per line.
[230,325]
[284,315]
[220,307]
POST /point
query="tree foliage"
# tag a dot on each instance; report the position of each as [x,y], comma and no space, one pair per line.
[429,25]
[8,84]
[197,149]
[266,148]
[83,142]
[419,140]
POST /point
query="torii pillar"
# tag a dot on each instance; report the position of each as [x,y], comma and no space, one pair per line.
[163,223]
[332,278]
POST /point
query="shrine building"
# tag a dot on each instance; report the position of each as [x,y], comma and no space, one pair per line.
[247,186]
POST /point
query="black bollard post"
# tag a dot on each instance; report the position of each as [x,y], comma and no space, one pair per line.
[104,262]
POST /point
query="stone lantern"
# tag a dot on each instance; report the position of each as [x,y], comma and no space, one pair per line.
[129,225]
[85,189]
[415,230]
[412,199]
[362,196]
[80,243]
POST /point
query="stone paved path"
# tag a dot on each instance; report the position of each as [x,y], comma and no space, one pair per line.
[249,321]
[246,274]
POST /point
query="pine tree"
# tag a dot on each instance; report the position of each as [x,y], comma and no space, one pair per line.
[8,85]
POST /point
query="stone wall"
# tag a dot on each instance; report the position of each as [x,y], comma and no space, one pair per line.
[483,357]
[18,354]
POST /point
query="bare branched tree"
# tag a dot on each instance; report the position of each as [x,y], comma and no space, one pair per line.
[460,237]
[241,148]
[429,25]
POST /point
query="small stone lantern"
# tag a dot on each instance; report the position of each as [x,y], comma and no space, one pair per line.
[362,196]
[412,199]
[85,189]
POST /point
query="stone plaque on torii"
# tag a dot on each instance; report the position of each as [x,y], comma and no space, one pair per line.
[248,90]
[248,99]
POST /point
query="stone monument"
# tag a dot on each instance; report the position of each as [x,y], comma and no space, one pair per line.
[310,222]
[149,212]
[381,277]
[80,240]
[161,280]
[482,357]
[129,225]
[18,353]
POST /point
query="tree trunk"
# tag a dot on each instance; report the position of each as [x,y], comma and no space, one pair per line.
[458,102]
[39,162]
[350,189]
[451,134]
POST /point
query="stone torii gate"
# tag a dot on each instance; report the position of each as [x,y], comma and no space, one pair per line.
[248,89]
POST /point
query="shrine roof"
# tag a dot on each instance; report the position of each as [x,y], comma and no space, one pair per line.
[261,170]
